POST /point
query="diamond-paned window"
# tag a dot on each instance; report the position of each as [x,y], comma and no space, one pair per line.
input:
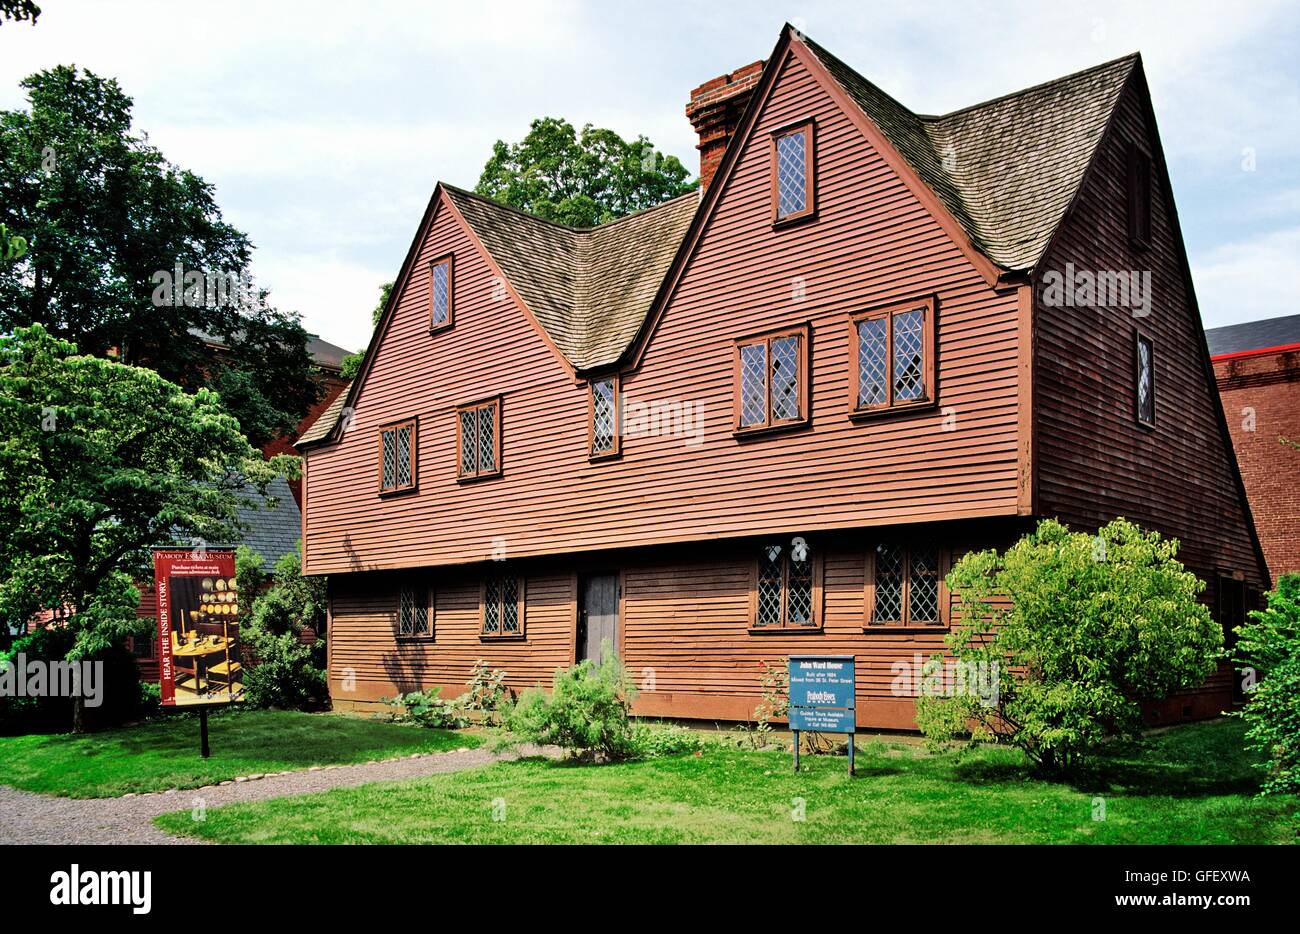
[771,380]
[908,585]
[604,416]
[412,614]
[893,365]
[441,291]
[479,430]
[923,586]
[501,607]
[785,586]
[771,567]
[909,355]
[889,584]
[753,385]
[396,457]
[792,168]
[1146,392]
[873,362]
[785,378]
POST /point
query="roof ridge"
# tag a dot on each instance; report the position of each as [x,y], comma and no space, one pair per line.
[933,118]
[568,228]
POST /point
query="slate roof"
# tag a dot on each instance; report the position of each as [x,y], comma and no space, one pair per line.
[272,531]
[1254,335]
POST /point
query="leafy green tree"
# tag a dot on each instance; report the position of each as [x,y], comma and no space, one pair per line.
[285,672]
[1080,630]
[580,179]
[351,364]
[1269,645]
[19,10]
[106,220]
[100,462]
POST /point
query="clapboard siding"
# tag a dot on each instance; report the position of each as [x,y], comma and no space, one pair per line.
[872,243]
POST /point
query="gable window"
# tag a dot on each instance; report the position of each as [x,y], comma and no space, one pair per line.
[785,588]
[441,293]
[894,350]
[1139,196]
[905,585]
[397,457]
[1146,380]
[603,432]
[792,172]
[771,380]
[478,439]
[413,613]
[503,607]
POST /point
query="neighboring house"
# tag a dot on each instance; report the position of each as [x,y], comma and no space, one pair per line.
[764,420]
[1258,369]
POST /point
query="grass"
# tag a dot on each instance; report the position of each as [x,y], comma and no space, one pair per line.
[1190,784]
[164,753]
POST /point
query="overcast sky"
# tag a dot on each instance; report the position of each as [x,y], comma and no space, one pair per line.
[324,126]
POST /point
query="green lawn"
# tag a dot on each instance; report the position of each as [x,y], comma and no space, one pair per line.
[1187,785]
[164,753]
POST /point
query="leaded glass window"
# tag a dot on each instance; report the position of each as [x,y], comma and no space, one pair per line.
[502,607]
[907,583]
[441,291]
[785,586]
[892,357]
[604,416]
[1146,392]
[479,429]
[771,380]
[873,362]
[909,355]
[890,562]
[753,385]
[412,613]
[792,173]
[396,456]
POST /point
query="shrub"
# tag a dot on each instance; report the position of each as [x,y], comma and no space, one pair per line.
[487,693]
[655,741]
[283,672]
[587,711]
[1269,646]
[1094,626]
[426,708]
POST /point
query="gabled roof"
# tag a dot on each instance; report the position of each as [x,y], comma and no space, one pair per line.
[1254,335]
[272,525]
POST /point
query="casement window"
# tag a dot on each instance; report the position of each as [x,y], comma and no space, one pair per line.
[786,587]
[905,585]
[413,612]
[603,417]
[793,172]
[441,292]
[503,607]
[478,440]
[771,380]
[1145,377]
[894,357]
[397,457]
[1139,196]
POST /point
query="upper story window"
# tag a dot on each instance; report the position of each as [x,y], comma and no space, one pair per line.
[793,193]
[441,290]
[478,439]
[771,380]
[503,607]
[413,613]
[895,357]
[1146,380]
[905,585]
[603,405]
[785,589]
[1139,196]
[397,457]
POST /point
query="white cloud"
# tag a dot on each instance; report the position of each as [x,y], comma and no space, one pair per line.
[1249,279]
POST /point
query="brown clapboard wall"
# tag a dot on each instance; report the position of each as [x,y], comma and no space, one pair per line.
[873,243]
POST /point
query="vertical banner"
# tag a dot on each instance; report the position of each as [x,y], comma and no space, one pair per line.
[199,658]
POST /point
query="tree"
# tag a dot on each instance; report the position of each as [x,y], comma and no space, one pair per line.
[112,230]
[580,179]
[19,10]
[351,364]
[1269,647]
[99,463]
[1078,630]
[287,673]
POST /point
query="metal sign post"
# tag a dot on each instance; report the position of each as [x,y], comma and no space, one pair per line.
[822,697]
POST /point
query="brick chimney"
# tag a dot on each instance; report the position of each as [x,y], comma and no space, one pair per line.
[715,110]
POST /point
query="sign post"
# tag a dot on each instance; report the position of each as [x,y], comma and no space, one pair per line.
[822,697]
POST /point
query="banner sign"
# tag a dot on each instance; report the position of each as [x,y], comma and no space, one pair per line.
[822,693]
[199,660]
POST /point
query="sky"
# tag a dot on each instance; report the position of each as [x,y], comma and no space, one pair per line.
[324,126]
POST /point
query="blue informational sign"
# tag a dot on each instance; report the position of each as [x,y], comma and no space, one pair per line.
[822,697]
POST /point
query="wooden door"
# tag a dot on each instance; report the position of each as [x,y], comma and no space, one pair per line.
[598,616]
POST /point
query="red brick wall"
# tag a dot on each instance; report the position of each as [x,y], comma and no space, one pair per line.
[1261,399]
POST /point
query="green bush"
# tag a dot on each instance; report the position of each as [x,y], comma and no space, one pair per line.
[283,671]
[426,708]
[1269,647]
[487,694]
[586,712]
[655,741]
[1094,626]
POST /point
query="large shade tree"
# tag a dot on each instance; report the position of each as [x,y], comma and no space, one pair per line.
[107,219]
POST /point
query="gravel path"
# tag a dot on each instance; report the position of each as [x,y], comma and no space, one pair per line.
[27,817]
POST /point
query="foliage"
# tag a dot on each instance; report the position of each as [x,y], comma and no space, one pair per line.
[99,462]
[1094,626]
[580,179]
[774,687]
[1269,645]
[428,709]
[351,364]
[284,672]
[654,741]
[103,213]
[19,10]
[250,577]
[487,693]
[586,712]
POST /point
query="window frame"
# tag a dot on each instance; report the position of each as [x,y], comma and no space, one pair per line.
[449,260]
[521,586]
[1139,173]
[462,477]
[809,127]
[905,624]
[414,424]
[617,441]
[427,606]
[803,333]
[818,572]
[929,306]
[1138,337]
